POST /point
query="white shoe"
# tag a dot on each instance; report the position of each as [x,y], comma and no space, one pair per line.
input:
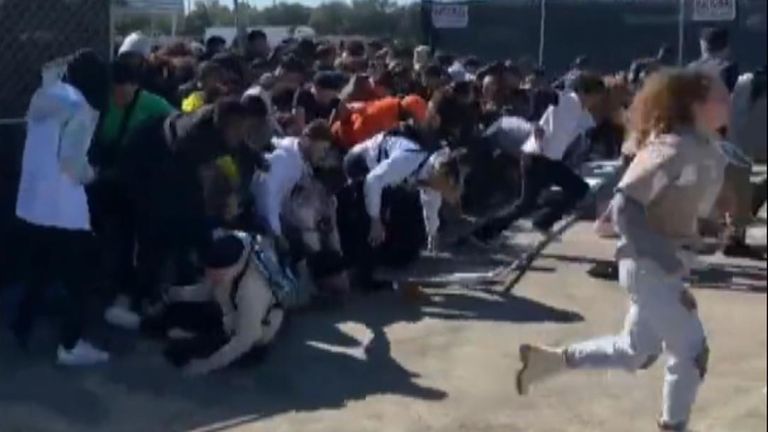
[122,317]
[83,354]
[539,364]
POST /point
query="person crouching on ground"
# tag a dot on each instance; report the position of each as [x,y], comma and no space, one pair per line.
[162,173]
[52,203]
[398,181]
[542,163]
[292,167]
[229,318]
[673,180]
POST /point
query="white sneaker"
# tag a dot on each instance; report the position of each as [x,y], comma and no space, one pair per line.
[122,317]
[539,364]
[83,354]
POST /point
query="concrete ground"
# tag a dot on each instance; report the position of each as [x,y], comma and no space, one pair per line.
[386,365]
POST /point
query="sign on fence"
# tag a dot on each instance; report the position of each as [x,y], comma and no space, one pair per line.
[714,10]
[448,16]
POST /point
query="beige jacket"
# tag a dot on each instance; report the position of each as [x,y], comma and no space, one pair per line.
[676,178]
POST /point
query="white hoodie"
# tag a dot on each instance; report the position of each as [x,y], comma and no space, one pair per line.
[60,126]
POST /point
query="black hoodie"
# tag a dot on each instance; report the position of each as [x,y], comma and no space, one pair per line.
[162,161]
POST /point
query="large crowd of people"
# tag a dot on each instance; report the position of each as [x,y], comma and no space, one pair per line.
[198,193]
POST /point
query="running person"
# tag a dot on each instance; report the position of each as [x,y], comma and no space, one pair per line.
[672,181]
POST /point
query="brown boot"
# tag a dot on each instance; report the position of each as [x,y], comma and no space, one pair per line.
[539,364]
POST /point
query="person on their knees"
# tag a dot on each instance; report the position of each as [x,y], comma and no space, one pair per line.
[673,180]
[228,318]
[397,179]
[52,203]
[542,163]
[162,170]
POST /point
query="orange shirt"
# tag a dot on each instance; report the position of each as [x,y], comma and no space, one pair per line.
[367,120]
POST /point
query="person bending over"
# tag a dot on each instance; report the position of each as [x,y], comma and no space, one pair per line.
[399,179]
[542,163]
[282,194]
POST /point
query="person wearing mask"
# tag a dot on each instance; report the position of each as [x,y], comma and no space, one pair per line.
[542,163]
[52,203]
[379,209]
[129,108]
[671,183]
[232,316]
[162,171]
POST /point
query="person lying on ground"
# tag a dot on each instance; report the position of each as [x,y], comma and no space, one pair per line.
[229,317]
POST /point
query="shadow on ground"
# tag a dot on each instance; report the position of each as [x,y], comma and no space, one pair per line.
[316,365]
[750,277]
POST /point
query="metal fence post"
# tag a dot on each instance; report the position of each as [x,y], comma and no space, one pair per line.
[681,34]
[542,31]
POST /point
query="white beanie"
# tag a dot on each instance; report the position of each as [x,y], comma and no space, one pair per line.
[136,43]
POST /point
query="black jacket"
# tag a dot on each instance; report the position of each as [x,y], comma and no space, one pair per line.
[161,164]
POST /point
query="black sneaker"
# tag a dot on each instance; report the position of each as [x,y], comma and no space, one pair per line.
[608,271]
[739,249]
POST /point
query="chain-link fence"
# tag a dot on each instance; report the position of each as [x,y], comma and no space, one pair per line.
[611,33]
[32,33]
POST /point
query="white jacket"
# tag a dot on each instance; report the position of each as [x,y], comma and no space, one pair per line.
[60,126]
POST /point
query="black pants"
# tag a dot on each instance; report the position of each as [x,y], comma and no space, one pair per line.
[539,174]
[54,255]
[204,320]
[403,221]
[114,223]
[166,248]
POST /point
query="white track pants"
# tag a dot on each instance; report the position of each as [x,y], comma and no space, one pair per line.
[662,316]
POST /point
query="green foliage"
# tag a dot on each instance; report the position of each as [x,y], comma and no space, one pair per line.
[375,18]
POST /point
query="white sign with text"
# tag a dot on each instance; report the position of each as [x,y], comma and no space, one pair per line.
[447,16]
[714,10]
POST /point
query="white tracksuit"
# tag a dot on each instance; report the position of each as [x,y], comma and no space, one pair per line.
[669,185]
